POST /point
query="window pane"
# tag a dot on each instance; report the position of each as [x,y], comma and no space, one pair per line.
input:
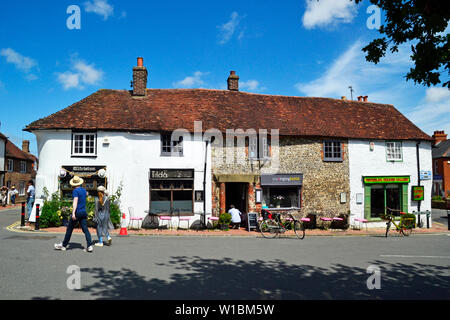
[282,197]
[160,201]
[182,201]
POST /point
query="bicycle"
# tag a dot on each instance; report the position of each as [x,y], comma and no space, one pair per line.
[404,227]
[274,224]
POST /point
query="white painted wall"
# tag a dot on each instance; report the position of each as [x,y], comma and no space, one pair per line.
[364,162]
[128,159]
[2,154]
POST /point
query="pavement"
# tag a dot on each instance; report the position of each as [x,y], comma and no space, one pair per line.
[227,267]
[439,225]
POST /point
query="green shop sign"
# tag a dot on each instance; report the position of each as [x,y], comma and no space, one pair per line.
[372,180]
[417,193]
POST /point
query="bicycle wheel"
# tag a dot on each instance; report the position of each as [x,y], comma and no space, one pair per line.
[406,231]
[269,228]
[299,230]
[388,227]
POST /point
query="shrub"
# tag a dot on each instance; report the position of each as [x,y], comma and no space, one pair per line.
[436,198]
[224,218]
[50,215]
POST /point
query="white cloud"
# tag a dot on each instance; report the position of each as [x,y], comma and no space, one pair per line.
[251,85]
[351,69]
[432,112]
[81,74]
[100,7]
[191,81]
[228,29]
[21,62]
[328,12]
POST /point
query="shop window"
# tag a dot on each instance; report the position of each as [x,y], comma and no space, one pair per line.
[332,151]
[385,196]
[84,144]
[394,151]
[170,147]
[281,197]
[174,196]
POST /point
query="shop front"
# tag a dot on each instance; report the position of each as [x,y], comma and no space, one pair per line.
[384,192]
[171,191]
[282,190]
[93,176]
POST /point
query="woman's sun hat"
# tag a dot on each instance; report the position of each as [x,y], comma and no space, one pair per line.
[102,189]
[76,181]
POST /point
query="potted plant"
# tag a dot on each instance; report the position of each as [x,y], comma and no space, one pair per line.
[224,221]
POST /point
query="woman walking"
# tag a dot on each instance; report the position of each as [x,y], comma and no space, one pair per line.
[102,216]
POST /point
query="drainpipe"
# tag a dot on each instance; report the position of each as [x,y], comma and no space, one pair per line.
[418,170]
[203,222]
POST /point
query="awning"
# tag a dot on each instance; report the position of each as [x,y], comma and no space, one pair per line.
[249,178]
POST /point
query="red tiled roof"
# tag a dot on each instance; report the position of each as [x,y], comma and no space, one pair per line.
[12,151]
[170,109]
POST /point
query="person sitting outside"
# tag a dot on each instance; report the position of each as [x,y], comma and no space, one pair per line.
[235,217]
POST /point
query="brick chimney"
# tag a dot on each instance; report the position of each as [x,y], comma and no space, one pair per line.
[139,78]
[233,81]
[439,136]
[360,98]
[365,98]
[26,146]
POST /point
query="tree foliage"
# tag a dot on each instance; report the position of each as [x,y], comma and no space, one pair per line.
[421,23]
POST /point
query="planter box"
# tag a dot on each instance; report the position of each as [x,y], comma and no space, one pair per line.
[440,204]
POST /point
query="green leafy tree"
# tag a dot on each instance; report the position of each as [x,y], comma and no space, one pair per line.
[421,23]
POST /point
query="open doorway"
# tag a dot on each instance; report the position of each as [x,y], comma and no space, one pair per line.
[236,194]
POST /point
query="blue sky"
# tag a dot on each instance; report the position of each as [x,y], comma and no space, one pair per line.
[297,48]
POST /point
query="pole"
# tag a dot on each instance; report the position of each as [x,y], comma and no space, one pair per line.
[418,171]
[22,216]
[36,226]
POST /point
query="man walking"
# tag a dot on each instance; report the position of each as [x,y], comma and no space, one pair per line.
[30,197]
[79,195]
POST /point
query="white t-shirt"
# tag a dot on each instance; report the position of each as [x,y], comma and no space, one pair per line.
[235,215]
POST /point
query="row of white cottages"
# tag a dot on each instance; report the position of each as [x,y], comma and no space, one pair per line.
[329,156]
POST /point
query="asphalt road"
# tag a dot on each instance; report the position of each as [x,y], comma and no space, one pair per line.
[197,268]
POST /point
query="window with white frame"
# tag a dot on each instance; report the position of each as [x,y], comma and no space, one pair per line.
[170,147]
[259,149]
[10,165]
[23,166]
[394,151]
[332,151]
[84,144]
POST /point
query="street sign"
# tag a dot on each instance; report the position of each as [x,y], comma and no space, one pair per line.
[425,175]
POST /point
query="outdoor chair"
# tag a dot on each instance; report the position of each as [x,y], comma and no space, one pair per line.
[133,218]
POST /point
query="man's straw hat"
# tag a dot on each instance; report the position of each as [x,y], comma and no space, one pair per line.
[76,181]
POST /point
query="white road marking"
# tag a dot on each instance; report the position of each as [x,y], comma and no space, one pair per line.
[406,256]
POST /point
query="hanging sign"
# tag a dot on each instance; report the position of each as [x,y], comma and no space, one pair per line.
[417,193]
